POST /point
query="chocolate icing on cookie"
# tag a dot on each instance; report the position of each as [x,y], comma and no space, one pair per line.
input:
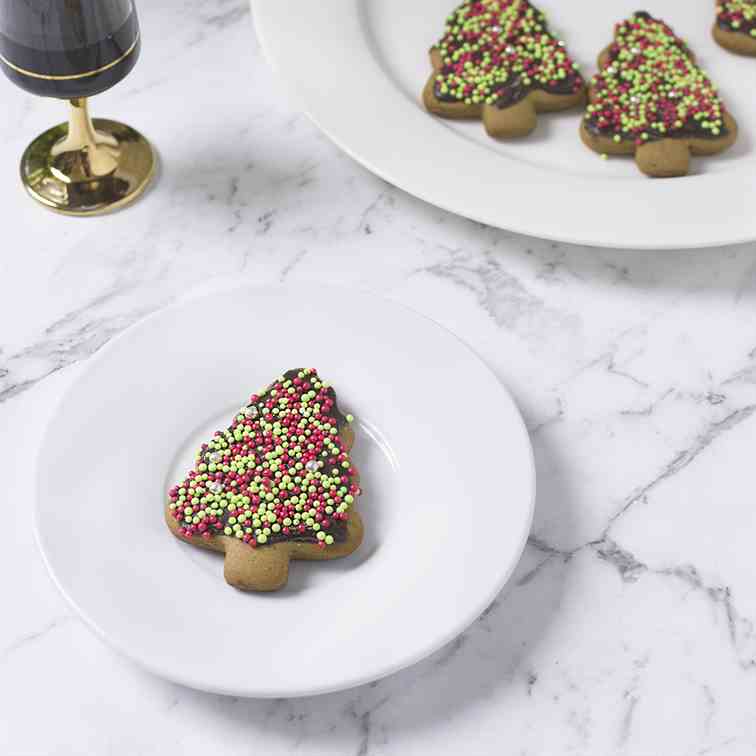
[737,16]
[495,52]
[278,473]
[649,88]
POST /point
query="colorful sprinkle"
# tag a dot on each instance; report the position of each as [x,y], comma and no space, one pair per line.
[497,51]
[650,87]
[275,473]
[737,16]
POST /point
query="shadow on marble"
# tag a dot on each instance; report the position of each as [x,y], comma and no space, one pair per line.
[228,177]
[707,270]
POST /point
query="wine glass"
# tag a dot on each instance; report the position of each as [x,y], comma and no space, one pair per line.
[73,49]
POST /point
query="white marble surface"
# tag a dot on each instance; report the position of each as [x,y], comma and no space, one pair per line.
[629,625]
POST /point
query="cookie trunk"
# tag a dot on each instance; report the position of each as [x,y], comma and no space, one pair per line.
[665,158]
[261,569]
[508,123]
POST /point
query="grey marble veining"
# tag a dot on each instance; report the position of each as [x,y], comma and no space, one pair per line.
[628,627]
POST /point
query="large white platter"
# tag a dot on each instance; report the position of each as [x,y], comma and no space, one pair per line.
[445,462]
[358,66]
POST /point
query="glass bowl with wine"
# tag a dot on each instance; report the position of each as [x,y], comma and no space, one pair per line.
[72,50]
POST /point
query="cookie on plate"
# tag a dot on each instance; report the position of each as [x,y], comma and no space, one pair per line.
[498,61]
[651,100]
[735,26]
[277,484]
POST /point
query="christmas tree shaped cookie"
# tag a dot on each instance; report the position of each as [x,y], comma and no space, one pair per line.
[277,484]
[498,61]
[650,99]
[735,26]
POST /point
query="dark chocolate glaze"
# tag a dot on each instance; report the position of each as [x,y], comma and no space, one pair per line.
[513,91]
[690,129]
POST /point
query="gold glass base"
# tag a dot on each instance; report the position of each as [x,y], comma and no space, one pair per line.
[87,167]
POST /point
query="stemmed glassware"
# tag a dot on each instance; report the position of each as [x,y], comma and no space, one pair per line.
[73,49]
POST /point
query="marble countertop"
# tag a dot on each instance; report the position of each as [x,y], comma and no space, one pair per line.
[628,627]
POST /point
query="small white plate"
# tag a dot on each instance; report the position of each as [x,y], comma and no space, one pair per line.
[358,67]
[444,457]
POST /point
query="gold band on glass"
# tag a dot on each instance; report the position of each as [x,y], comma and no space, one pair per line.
[70,77]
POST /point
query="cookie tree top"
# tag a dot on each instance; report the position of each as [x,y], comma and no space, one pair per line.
[279,472]
[649,87]
[737,16]
[497,51]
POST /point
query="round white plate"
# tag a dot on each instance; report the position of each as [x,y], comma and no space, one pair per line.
[358,67]
[444,457]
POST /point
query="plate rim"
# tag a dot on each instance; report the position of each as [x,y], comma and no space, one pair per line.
[690,232]
[175,675]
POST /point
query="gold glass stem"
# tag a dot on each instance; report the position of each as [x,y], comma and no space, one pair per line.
[83,153]
[87,167]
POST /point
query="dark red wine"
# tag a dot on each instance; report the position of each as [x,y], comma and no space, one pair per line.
[68,48]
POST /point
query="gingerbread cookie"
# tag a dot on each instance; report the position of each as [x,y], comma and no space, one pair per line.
[650,99]
[498,61]
[276,485]
[735,26]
